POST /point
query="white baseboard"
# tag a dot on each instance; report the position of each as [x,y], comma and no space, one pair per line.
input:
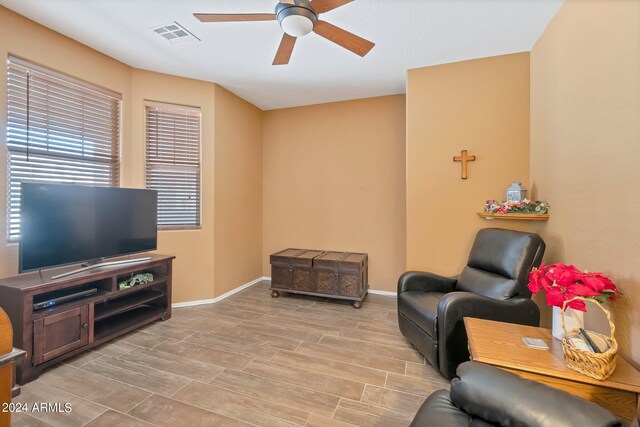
[371,291]
[383,293]
[221,297]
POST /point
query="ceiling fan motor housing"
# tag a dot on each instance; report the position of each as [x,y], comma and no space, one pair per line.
[296,20]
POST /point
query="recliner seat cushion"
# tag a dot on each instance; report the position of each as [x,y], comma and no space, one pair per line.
[422,309]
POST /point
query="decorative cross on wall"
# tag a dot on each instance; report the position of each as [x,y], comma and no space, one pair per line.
[463,158]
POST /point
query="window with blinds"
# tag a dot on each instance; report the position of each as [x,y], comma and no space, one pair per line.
[59,130]
[173,163]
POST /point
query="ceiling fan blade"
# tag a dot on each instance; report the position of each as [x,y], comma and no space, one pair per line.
[343,38]
[322,6]
[234,17]
[284,51]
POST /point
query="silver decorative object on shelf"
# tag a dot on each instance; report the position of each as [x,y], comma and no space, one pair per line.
[516,192]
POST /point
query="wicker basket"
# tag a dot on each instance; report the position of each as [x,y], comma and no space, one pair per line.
[596,365]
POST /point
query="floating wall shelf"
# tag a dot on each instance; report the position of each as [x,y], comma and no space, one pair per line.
[529,217]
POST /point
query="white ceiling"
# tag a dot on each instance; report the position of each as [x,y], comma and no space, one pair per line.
[408,34]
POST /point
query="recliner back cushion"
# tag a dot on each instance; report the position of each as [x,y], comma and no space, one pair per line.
[505,257]
[484,283]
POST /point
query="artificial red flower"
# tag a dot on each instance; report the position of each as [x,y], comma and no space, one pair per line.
[563,282]
[557,295]
[538,281]
[563,274]
[598,282]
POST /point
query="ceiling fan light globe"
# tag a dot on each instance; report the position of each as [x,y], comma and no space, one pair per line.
[296,25]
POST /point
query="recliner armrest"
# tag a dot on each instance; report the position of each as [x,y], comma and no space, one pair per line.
[505,399]
[452,335]
[426,282]
[438,410]
[456,305]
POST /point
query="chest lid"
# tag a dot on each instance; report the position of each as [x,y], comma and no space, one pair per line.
[354,262]
[295,257]
[305,259]
[355,258]
[341,261]
[330,259]
[284,257]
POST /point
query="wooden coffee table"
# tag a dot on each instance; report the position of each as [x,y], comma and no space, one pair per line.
[500,344]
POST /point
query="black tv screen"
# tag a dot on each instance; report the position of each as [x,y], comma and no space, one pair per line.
[66,224]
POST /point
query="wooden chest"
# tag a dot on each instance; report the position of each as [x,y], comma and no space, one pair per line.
[292,269]
[342,275]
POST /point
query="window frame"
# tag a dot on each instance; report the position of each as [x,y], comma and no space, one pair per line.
[179,108]
[75,87]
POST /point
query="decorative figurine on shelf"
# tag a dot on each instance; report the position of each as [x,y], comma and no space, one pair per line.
[516,192]
[138,279]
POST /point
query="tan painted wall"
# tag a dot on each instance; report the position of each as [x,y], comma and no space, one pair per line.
[481,106]
[238,191]
[22,37]
[193,275]
[334,179]
[237,135]
[585,146]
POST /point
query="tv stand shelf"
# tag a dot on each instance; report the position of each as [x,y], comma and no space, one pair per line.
[137,288]
[54,334]
[124,322]
[101,295]
[122,304]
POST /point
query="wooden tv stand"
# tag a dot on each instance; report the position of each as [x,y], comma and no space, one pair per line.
[54,334]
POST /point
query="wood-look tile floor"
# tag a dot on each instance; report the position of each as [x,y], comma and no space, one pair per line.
[249,360]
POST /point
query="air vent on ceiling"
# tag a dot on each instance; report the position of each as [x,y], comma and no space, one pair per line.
[174,33]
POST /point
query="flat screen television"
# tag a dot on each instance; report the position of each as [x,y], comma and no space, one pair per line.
[67,224]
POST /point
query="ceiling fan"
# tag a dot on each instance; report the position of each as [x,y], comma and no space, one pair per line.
[297,18]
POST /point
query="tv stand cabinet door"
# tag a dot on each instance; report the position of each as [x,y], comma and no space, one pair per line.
[60,333]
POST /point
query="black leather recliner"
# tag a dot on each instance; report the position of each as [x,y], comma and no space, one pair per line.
[484,395]
[492,286]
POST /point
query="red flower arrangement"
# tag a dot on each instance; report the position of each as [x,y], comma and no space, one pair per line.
[564,282]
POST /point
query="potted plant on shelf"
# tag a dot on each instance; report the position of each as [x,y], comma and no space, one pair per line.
[565,282]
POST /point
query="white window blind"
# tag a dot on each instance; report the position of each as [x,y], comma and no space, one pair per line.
[173,163]
[59,130]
